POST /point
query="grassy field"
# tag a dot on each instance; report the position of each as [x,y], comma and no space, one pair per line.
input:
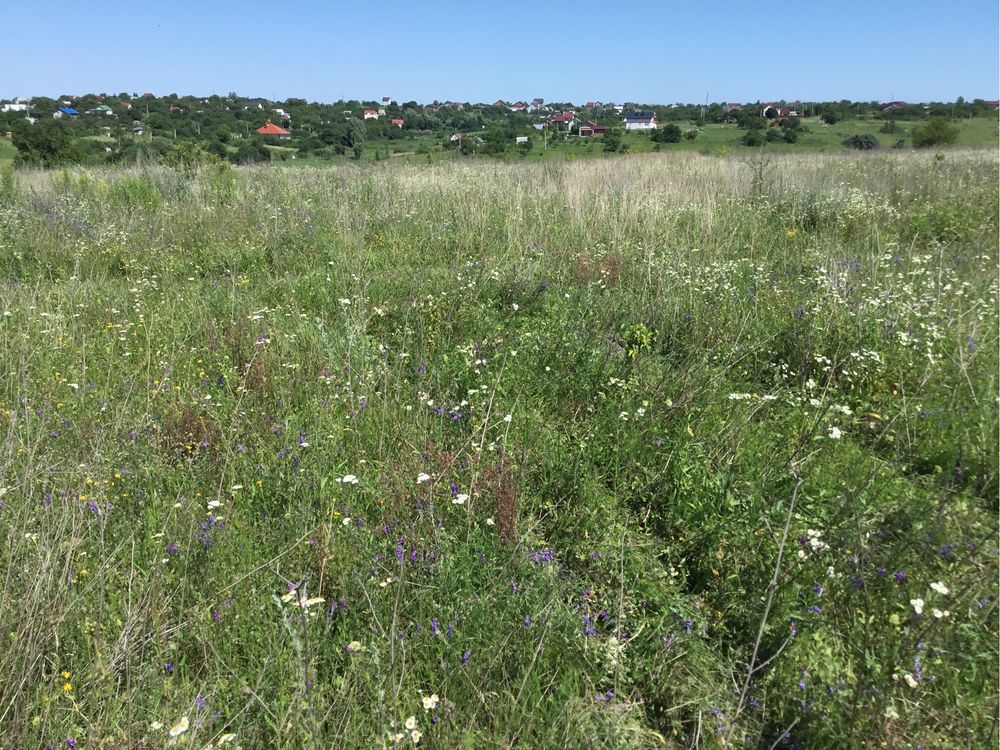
[663,451]
[7,152]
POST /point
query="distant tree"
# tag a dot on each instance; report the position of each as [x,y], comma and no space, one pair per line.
[669,133]
[829,115]
[935,132]
[791,128]
[45,144]
[862,142]
[188,156]
[357,135]
[612,140]
[250,150]
[497,139]
[753,138]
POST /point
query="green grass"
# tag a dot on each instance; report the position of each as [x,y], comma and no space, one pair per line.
[7,152]
[659,451]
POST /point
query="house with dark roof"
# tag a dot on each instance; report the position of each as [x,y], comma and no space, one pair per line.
[591,130]
[65,112]
[640,121]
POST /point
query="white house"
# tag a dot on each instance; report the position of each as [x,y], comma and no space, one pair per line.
[640,121]
[371,114]
[18,105]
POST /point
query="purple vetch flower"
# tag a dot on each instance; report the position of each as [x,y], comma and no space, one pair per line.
[71,743]
[172,549]
[900,576]
[668,641]
[687,627]
[527,621]
[168,667]
[399,549]
[199,701]
[92,507]
[465,657]
[815,609]
[434,627]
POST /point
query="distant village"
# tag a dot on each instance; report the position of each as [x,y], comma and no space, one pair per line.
[113,127]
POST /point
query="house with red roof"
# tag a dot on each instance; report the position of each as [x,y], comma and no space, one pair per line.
[371,114]
[273,130]
[398,122]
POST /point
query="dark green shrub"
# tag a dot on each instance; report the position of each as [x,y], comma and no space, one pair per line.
[862,142]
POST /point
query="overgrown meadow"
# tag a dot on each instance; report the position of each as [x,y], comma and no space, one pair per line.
[670,451]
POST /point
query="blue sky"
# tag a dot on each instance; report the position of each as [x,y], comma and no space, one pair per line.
[656,52]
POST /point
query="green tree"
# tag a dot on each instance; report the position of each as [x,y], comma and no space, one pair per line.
[669,133]
[357,135]
[613,140]
[935,132]
[46,144]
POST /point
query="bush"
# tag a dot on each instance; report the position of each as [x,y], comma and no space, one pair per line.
[862,142]
[753,138]
[935,132]
[773,135]
[670,133]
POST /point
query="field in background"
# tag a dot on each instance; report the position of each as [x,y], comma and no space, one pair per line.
[664,451]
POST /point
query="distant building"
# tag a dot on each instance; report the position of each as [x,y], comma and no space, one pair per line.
[732,107]
[398,122]
[273,130]
[640,121]
[386,101]
[371,114]
[65,112]
[18,105]
[253,104]
[775,111]
[104,109]
[521,139]
[591,130]
[893,105]
[566,119]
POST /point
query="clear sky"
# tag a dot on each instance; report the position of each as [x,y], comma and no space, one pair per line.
[654,52]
